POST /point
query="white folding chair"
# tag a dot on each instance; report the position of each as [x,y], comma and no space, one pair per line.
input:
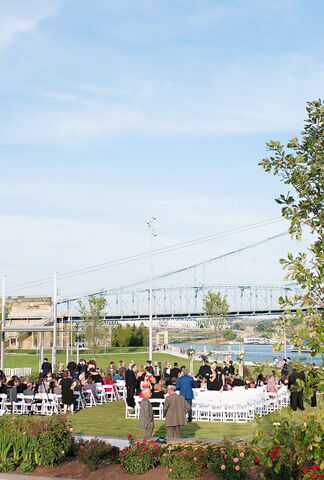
[89,398]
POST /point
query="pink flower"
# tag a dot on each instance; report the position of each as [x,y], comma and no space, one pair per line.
[195,459]
[223,467]
[235,460]
[237,468]
[241,454]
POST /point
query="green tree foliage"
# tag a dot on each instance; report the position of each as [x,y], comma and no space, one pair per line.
[216,308]
[129,336]
[229,335]
[301,167]
[95,331]
[265,326]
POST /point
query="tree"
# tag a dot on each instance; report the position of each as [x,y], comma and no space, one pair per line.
[95,331]
[130,336]
[302,169]
[229,335]
[216,308]
[265,326]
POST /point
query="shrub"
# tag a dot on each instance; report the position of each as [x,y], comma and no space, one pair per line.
[7,465]
[140,457]
[292,445]
[311,472]
[184,460]
[96,453]
[231,461]
[31,441]
[27,466]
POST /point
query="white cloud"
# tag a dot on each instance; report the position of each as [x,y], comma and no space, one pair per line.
[23,16]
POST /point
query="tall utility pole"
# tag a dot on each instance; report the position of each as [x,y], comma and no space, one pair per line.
[54,348]
[150,225]
[3,322]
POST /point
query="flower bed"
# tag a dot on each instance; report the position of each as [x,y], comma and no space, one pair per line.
[26,442]
[291,450]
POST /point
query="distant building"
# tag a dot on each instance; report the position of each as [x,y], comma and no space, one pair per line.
[24,311]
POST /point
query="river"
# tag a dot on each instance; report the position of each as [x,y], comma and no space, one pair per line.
[252,353]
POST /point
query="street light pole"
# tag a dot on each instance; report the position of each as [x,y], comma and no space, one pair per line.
[150,224]
[54,348]
[3,322]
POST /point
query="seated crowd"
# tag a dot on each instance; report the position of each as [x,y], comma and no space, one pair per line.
[84,377]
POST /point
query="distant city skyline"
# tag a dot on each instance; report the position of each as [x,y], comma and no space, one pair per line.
[124,110]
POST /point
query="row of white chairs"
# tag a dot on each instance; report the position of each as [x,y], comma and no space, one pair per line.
[50,404]
[223,406]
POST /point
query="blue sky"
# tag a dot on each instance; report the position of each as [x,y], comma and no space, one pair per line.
[115,110]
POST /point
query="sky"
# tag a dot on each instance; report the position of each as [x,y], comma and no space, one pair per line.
[112,111]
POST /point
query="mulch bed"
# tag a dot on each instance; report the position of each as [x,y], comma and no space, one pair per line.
[74,469]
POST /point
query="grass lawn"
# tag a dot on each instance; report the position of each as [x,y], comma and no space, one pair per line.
[109,420]
[31,360]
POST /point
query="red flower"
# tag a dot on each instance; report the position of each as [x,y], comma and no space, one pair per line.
[151,441]
[305,470]
[137,444]
[315,467]
[144,448]
[313,475]
[144,441]
[130,436]
[257,459]
[274,453]
[121,466]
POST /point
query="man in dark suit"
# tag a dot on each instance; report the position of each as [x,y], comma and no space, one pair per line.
[296,385]
[231,368]
[204,370]
[175,371]
[185,384]
[146,418]
[46,367]
[130,383]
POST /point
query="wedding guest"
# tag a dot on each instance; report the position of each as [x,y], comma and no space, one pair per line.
[146,418]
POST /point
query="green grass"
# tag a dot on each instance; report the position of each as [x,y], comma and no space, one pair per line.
[29,360]
[109,420]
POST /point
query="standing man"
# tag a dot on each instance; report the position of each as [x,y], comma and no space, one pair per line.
[167,372]
[185,384]
[175,409]
[175,371]
[296,385]
[130,383]
[231,368]
[146,418]
[46,368]
[204,370]
[149,367]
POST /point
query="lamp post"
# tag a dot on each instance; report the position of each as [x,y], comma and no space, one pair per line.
[77,329]
[54,347]
[150,225]
[3,322]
